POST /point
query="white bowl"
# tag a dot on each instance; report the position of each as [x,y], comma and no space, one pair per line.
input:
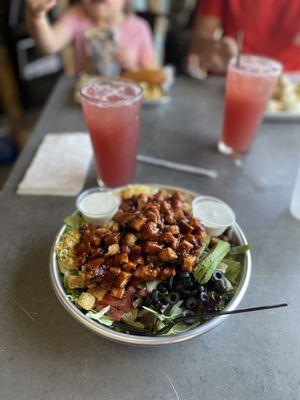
[101,330]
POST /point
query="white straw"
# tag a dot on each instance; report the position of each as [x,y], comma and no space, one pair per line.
[178,167]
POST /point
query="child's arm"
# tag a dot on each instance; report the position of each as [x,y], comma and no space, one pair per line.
[49,38]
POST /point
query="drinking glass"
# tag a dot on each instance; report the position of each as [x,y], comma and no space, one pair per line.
[249,87]
[112,110]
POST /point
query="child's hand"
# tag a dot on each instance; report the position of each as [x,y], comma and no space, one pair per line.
[125,58]
[38,8]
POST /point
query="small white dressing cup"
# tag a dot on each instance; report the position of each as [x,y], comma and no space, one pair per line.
[215,221]
[98,218]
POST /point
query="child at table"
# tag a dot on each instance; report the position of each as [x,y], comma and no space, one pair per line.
[134,44]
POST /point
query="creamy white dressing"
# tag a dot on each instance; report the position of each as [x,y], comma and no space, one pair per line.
[98,203]
[213,212]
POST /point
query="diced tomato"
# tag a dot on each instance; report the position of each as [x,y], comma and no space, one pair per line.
[143,292]
[115,314]
[123,304]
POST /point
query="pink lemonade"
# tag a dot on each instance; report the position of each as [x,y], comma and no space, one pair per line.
[248,89]
[112,112]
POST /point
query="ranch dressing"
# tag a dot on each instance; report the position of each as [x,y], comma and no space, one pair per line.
[215,215]
[97,206]
[98,203]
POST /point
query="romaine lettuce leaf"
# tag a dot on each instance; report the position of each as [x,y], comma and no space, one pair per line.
[175,312]
[100,316]
[237,250]
[233,270]
[131,318]
[73,222]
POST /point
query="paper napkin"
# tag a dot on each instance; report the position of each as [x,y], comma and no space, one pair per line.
[59,167]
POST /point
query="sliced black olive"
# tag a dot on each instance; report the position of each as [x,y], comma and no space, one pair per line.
[178,286]
[185,294]
[171,282]
[147,301]
[188,283]
[204,299]
[183,275]
[191,304]
[155,295]
[162,288]
[189,313]
[217,281]
[173,298]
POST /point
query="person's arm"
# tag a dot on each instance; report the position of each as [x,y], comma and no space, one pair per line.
[49,38]
[206,51]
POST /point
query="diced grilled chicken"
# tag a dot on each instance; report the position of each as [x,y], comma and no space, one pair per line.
[150,231]
[185,246]
[167,272]
[98,292]
[189,263]
[76,281]
[138,222]
[146,273]
[185,227]
[129,239]
[174,229]
[123,279]
[122,258]
[113,238]
[130,266]
[168,254]
[142,200]
[118,292]
[152,247]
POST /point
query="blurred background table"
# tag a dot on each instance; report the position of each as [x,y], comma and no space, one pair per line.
[45,354]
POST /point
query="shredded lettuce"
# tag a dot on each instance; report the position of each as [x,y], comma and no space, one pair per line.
[100,316]
[180,327]
[152,285]
[237,250]
[175,312]
[72,297]
[233,270]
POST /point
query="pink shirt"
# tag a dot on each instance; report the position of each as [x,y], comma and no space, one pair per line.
[134,33]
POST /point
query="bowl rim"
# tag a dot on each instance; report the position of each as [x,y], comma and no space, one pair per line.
[129,339]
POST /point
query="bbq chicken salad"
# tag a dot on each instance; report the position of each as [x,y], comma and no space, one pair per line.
[152,269]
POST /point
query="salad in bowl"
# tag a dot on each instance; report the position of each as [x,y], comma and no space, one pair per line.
[152,271]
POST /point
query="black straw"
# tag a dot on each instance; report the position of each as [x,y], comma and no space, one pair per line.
[205,316]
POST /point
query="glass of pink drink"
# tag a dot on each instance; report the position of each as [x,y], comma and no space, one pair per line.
[112,110]
[248,89]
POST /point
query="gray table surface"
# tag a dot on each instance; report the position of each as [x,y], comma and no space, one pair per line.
[45,354]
